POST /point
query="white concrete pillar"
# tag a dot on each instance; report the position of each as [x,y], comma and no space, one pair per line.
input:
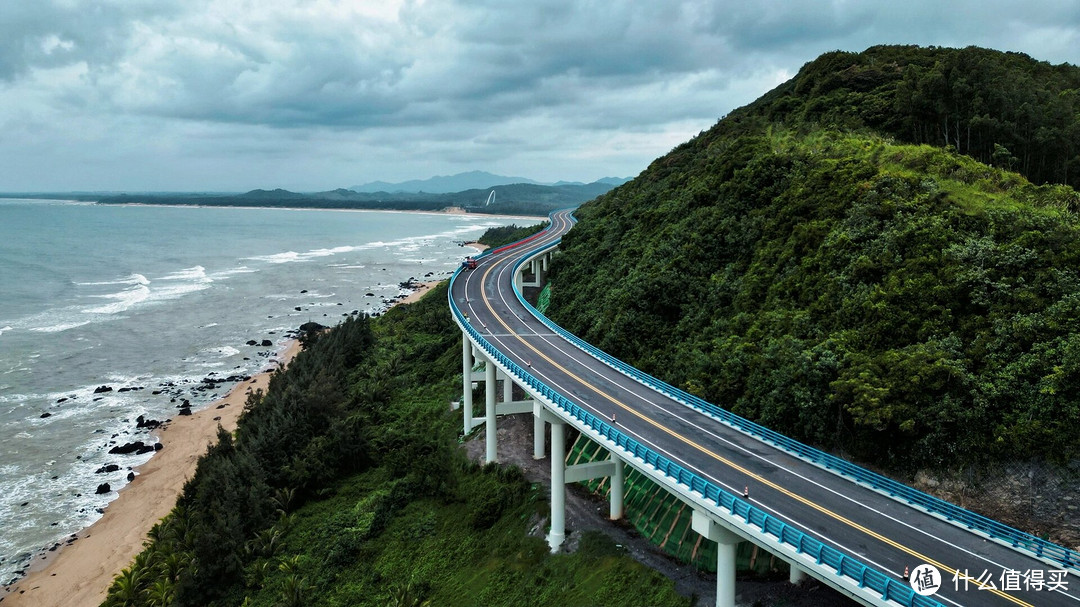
[797,575]
[617,481]
[725,574]
[558,486]
[489,397]
[508,388]
[538,433]
[726,542]
[466,380]
[545,260]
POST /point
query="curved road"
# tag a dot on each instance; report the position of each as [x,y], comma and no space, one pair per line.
[883,533]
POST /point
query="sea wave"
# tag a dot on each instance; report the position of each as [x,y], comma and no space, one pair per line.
[195,273]
[124,300]
[131,279]
[61,326]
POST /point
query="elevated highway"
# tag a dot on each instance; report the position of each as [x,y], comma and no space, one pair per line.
[850,528]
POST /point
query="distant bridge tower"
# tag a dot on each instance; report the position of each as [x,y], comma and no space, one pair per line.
[491,199]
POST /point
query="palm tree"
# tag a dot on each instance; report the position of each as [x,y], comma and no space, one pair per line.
[161,593]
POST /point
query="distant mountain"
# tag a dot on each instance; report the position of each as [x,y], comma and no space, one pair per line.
[614,181]
[514,199]
[443,184]
[472,180]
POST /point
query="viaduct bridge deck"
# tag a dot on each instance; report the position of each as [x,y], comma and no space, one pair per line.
[865,525]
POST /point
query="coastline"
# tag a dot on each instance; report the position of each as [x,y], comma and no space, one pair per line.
[80,572]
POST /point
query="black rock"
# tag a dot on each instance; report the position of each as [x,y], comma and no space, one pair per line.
[185,411]
[131,476]
[44,415]
[107,468]
[252,342]
[103,488]
[102,389]
[311,327]
[304,291]
[158,446]
[136,447]
[266,343]
[145,449]
[147,423]
[61,400]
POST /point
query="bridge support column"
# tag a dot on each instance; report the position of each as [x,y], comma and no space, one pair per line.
[508,388]
[545,261]
[797,575]
[538,431]
[618,479]
[725,556]
[558,486]
[489,397]
[466,381]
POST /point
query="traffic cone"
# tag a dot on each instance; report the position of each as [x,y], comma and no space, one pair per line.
[746,493]
[907,574]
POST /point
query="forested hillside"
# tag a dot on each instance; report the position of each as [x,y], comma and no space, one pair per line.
[802,266]
[1004,109]
[345,485]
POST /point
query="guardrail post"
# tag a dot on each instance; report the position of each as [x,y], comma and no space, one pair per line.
[466,381]
[618,479]
[558,486]
[489,397]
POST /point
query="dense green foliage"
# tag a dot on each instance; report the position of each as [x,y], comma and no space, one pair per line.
[345,485]
[500,235]
[904,303]
[1004,109]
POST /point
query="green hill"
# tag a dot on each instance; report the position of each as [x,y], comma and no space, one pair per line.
[801,265]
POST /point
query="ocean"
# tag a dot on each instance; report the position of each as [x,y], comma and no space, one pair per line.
[145,299]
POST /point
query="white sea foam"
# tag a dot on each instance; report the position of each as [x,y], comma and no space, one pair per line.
[232,272]
[124,300]
[63,326]
[286,257]
[132,279]
[221,351]
[196,273]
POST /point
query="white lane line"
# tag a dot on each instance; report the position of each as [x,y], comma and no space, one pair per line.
[501,272]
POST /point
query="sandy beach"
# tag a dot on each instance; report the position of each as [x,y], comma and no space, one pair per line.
[80,574]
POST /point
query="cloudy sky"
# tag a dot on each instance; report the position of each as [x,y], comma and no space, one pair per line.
[231,95]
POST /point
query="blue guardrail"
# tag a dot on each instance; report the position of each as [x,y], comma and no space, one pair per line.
[1020,540]
[843,564]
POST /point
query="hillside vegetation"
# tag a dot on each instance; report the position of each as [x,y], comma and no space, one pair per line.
[906,304]
[345,485]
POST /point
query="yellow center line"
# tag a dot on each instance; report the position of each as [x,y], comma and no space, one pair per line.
[716,456]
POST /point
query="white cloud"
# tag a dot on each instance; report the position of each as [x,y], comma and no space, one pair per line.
[236,94]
